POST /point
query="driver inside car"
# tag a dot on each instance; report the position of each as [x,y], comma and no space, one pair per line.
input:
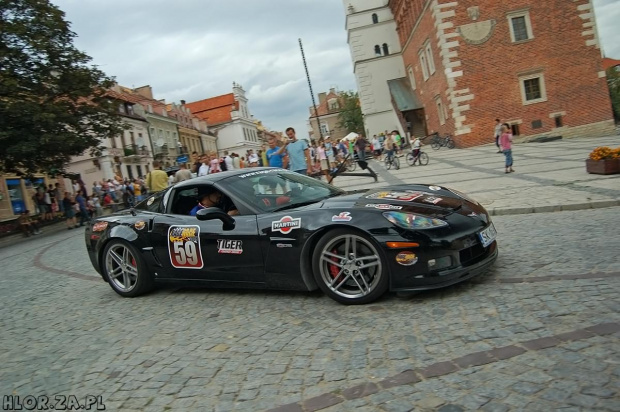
[212,199]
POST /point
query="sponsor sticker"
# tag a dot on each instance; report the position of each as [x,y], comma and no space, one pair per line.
[283,245]
[100,226]
[434,188]
[184,247]
[286,225]
[342,217]
[231,247]
[433,200]
[139,225]
[406,258]
[384,206]
[260,172]
[402,196]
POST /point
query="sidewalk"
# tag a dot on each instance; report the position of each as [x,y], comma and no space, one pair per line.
[548,176]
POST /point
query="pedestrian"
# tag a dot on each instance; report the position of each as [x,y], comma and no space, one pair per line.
[230,164]
[137,190]
[203,170]
[498,132]
[58,196]
[242,164]
[68,204]
[81,201]
[389,145]
[415,146]
[360,147]
[236,161]
[397,141]
[196,163]
[322,159]
[182,174]
[298,153]
[214,164]
[275,155]
[157,179]
[505,142]
[253,159]
[376,147]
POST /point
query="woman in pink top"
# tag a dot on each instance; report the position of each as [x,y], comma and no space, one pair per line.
[214,164]
[322,157]
[505,142]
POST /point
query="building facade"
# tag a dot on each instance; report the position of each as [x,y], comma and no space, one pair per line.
[534,64]
[189,136]
[228,117]
[326,115]
[377,59]
[128,155]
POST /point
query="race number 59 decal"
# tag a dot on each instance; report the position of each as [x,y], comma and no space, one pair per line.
[184,247]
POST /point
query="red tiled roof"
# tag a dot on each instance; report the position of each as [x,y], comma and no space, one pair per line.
[607,63]
[214,110]
[322,108]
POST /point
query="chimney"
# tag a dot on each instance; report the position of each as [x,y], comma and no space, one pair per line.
[322,97]
[145,91]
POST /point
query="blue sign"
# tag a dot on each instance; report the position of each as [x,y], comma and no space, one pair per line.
[182,159]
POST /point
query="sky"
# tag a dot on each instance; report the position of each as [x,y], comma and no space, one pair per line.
[195,49]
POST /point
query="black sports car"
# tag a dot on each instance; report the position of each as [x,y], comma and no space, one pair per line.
[297,233]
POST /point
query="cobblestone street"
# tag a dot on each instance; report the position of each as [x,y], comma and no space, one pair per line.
[540,332]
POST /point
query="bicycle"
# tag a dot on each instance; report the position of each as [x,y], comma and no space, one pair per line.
[445,141]
[421,158]
[392,160]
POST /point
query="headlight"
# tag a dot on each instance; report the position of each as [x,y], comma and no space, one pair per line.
[411,221]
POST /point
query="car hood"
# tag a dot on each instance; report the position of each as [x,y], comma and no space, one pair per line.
[429,200]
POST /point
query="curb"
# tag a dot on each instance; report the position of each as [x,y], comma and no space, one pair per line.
[18,238]
[596,204]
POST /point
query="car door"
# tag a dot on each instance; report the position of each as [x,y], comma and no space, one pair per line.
[190,249]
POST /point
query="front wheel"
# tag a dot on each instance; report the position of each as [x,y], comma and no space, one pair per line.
[450,144]
[388,163]
[349,268]
[125,270]
[435,145]
[351,166]
[423,159]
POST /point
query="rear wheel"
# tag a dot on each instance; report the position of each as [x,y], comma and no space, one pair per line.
[450,143]
[349,268]
[351,166]
[388,163]
[423,159]
[125,270]
[435,145]
[396,162]
[410,159]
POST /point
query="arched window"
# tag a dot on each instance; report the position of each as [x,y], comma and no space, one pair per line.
[386,51]
[375,18]
[377,50]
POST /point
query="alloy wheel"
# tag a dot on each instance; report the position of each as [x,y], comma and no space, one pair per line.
[121,268]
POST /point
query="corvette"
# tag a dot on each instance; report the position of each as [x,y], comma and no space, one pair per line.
[293,232]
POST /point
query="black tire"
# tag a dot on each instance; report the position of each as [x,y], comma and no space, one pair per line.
[351,166]
[131,285]
[396,163]
[435,145]
[347,280]
[450,144]
[423,159]
[388,164]
[410,159]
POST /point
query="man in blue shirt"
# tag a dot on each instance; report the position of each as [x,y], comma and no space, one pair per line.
[298,154]
[275,155]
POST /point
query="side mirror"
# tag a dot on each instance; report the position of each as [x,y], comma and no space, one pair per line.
[213,213]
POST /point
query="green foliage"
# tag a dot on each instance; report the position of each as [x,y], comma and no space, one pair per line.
[350,117]
[52,102]
[613,81]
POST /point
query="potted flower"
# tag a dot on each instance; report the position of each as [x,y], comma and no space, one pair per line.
[604,161]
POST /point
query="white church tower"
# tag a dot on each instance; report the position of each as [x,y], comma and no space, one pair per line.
[376,54]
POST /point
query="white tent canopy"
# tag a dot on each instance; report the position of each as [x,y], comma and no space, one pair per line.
[351,136]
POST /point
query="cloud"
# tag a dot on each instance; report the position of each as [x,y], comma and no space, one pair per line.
[607,17]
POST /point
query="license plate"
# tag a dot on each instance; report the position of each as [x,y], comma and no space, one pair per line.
[487,236]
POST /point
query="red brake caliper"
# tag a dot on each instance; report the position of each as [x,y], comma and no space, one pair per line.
[333,269]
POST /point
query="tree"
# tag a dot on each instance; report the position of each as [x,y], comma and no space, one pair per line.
[613,81]
[52,101]
[350,117]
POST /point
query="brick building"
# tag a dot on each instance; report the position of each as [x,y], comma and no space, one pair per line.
[327,112]
[534,64]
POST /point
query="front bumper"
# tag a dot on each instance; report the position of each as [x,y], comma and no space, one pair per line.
[441,279]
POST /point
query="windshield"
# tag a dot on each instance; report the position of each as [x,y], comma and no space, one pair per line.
[278,189]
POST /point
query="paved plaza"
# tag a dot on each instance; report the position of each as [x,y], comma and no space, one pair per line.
[539,332]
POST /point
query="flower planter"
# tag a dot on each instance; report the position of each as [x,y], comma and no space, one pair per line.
[603,167]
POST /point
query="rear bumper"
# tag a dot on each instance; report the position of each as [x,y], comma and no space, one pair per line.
[452,276]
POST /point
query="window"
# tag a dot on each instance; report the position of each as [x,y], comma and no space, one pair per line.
[441,111]
[429,57]
[423,64]
[558,121]
[245,134]
[520,26]
[386,50]
[130,109]
[515,129]
[375,18]
[411,77]
[377,50]
[533,88]
[324,129]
